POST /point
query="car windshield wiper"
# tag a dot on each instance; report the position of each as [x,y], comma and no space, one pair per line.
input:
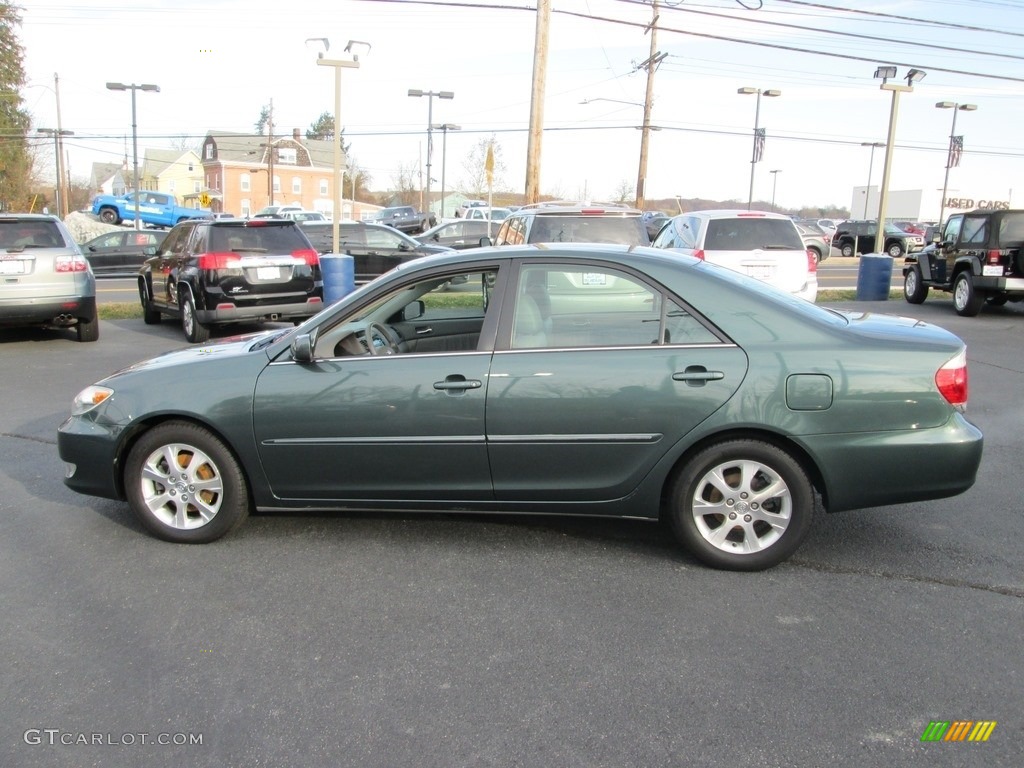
[269,340]
[778,247]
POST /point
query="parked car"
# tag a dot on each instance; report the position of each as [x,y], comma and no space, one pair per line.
[215,272]
[654,221]
[44,278]
[979,259]
[460,212]
[460,234]
[489,214]
[760,244]
[275,211]
[121,253]
[375,248]
[303,215]
[573,379]
[573,222]
[815,241]
[405,218]
[858,237]
[158,209]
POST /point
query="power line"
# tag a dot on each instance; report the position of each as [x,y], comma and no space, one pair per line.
[878,14]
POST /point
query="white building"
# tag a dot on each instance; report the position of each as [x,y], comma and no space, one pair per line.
[924,204]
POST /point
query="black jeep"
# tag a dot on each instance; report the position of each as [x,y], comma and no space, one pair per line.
[979,257]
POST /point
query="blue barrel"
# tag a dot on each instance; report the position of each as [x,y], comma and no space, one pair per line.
[874,277]
[339,273]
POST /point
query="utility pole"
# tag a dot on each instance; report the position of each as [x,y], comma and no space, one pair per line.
[270,152]
[62,196]
[540,65]
[651,65]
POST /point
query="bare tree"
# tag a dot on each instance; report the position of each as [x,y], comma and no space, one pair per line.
[624,191]
[406,191]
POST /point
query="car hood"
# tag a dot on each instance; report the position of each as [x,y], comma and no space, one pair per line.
[235,346]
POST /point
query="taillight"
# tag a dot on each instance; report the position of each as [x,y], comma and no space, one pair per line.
[951,380]
[699,254]
[70,264]
[308,255]
[812,261]
[995,257]
[216,260]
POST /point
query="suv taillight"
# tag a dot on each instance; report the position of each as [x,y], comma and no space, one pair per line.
[70,264]
[995,257]
[216,260]
[951,380]
[308,255]
[812,261]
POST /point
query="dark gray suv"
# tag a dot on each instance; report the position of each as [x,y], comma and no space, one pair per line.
[566,222]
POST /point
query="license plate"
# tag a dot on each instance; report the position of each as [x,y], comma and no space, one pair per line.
[268,273]
[995,270]
[760,272]
[12,267]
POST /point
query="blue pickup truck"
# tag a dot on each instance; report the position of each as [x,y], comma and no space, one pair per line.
[156,209]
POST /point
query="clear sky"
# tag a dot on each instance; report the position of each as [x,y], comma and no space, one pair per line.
[217,62]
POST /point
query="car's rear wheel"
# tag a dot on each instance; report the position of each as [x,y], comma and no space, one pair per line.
[108,216]
[184,484]
[195,331]
[847,249]
[88,328]
[914,289]
[150,316]
[742,505]
[966,300]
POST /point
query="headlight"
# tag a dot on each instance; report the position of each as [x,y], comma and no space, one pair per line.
[89,398]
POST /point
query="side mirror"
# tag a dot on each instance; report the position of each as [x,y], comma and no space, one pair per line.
[413,310]
[485,241]
[302,348]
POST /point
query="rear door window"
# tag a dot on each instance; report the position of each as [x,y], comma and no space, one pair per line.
[743,234]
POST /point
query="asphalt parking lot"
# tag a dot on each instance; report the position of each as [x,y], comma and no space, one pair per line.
[439,640]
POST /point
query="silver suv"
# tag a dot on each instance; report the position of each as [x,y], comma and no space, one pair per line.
[572,222]
[44,278]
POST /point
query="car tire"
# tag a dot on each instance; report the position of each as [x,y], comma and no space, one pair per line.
[150,316]
[195,332]
[109,216]
[914,289]
[742,529]
[817,254]
[895,250]
[88,328]
[847,249]
[200,499]
[966,300]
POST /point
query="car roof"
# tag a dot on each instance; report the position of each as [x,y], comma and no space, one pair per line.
[733,213]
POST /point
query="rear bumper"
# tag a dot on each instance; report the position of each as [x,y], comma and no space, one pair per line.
[62,310]
[261,312]
[884,468]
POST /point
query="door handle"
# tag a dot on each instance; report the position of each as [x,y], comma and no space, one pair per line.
[697,374]
[457,383]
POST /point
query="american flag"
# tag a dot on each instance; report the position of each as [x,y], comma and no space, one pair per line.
[758,145]
[956,148]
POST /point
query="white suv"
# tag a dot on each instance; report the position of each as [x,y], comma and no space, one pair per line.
[763,245]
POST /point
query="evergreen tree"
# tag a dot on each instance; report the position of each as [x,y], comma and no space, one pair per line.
[15,155]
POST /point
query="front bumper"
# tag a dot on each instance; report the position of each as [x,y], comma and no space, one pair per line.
[89,451]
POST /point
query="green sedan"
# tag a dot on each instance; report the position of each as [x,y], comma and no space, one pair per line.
[572,379]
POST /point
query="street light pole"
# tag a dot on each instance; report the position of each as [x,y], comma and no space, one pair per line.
[444,128]
[949,154]
[336,190]
[754,159]
[912,77]
[416,93]
[60,200]
[135,135]
[775,179]
[871,164]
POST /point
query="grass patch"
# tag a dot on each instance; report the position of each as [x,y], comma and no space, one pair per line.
[120,310]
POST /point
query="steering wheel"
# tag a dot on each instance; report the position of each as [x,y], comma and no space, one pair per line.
[379,331]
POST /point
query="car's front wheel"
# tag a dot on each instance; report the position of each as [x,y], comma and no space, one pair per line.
[847,249]
[742,505]
[966,300]
[184,484]
[914,289]
[195,331]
